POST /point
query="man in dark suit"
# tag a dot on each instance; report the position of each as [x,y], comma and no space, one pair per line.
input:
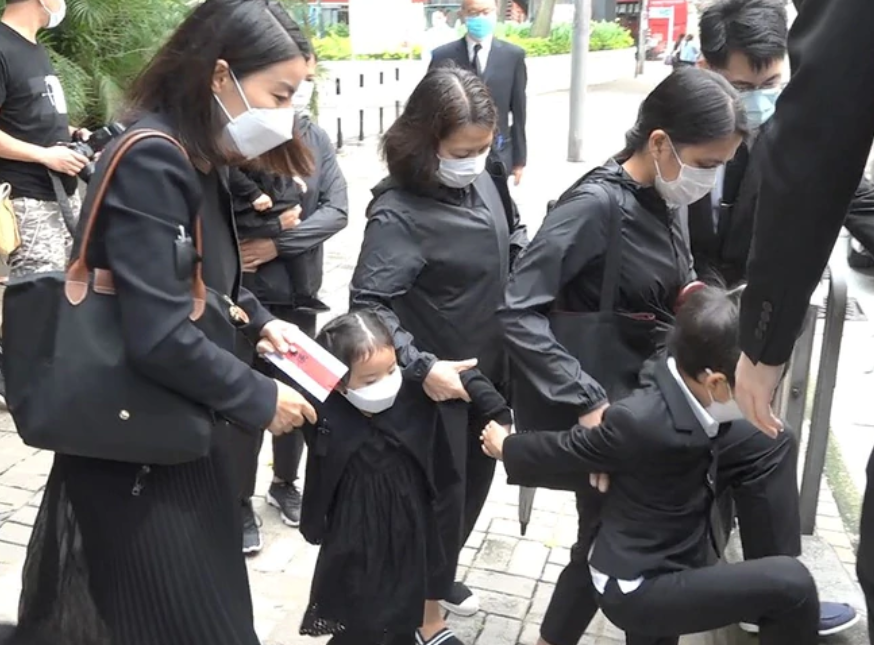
[502,66]
[745,41]
[812,158]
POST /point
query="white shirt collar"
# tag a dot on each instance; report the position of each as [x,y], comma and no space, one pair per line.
[486,45]
[710,425]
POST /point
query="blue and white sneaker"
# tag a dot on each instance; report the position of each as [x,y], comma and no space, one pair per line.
[834,617]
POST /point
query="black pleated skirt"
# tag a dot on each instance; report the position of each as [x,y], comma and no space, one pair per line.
[373,564]
[127,555]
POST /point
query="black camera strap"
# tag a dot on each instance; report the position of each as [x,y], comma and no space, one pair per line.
[64,204]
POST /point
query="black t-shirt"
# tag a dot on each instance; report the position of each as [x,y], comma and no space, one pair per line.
[32,109]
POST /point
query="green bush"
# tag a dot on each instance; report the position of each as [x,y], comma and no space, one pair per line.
[604,35]
[609,35]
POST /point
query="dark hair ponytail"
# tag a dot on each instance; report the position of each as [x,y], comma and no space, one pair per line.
[693,106]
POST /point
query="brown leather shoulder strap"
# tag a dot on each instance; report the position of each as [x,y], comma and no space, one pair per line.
[76,287]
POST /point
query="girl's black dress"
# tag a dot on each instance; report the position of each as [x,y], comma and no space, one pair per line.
[367,502]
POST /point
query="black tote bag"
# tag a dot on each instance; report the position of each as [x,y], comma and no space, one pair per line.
[611,347]
[70,388]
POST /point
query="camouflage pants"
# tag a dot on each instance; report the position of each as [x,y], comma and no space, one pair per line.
[45,241]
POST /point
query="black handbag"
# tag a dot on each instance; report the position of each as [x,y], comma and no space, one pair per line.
[611,346]
[70,388]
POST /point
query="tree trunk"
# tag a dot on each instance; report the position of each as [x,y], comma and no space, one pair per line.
[543,20]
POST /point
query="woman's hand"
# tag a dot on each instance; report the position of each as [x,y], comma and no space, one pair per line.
[592,419]
[493,440]
[292,410]
[276,337]
[254,253]
[262,203]
[443,382]
[290,218]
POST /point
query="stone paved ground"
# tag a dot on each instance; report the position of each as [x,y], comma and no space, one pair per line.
[514,576]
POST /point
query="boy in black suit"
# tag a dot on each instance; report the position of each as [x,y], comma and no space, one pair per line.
[652,559]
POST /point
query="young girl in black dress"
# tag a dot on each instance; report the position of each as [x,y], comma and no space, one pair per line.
[376,459]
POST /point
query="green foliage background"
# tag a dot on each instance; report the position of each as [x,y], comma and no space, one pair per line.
[604,35]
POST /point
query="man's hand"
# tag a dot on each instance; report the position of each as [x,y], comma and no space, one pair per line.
[262,203]
[290,218]
[63,160]
[755,386]
[292,410]
[493,437]
[517,174]
[443,382]
[276,337]
[254,253]
[592,419]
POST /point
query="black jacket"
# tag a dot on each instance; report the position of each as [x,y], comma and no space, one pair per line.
[507,79]
[563,268]
[812,157]
[721,252]
[155,190]
[655,517]
[434,267]
[415,422]
[299,269]
[246,186]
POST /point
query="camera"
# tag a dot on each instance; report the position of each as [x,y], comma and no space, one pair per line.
[96,143]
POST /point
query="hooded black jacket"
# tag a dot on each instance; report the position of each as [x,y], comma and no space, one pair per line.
[565,263]
[434,267]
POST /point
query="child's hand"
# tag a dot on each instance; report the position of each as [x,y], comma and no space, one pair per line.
[262,203]
[493,440]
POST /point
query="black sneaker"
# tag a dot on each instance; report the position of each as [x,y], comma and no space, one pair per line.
[252,542]
[461,600]
[286,497]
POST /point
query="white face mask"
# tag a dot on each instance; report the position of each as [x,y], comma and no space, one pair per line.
[303,97]
[376,397]
[257,130]
[724,412]
[55,17]
[690,185]
[459,173]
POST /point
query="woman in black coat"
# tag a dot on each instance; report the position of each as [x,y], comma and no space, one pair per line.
[440,238]
[132,554]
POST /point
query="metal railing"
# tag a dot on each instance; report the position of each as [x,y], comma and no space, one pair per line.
[792,395]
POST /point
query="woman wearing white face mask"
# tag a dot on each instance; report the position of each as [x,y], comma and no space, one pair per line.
[441,235]
[144,554]
[588,301]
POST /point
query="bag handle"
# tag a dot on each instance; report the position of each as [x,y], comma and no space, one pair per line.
[612,257]
[76,282]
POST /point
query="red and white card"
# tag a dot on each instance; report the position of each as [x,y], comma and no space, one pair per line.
[311,366]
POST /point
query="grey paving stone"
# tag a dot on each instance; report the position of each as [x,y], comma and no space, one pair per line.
[467,556]
[501,604]
[528,559]
[498,630]
[13,533]
[500,582]
[559,555]
[466,629]
[539,603]
[530,633]
[551,572]
[475,541]
[495,553]
[11,553]
[14,497]
[26,515]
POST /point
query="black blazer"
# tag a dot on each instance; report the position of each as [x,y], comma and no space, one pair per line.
[661,462]
[813,155]
[155,190]
[507,79]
